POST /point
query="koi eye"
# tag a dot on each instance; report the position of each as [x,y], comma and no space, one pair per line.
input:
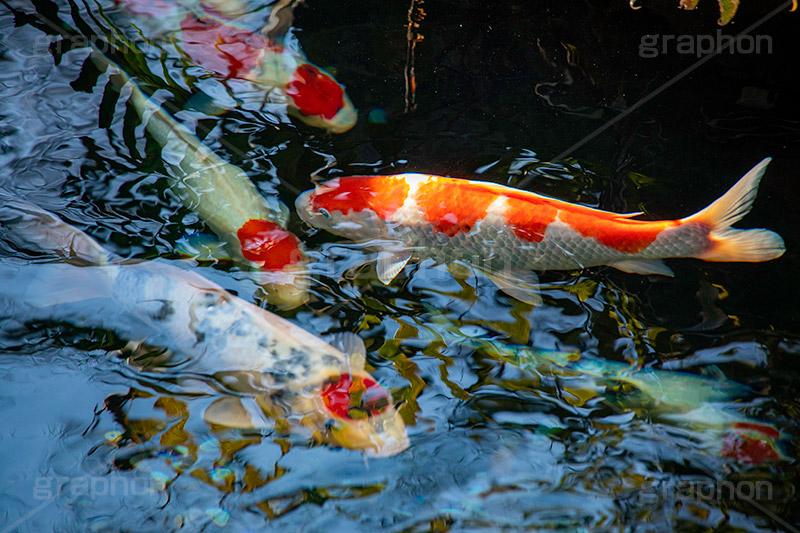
[354,397]
[324,212]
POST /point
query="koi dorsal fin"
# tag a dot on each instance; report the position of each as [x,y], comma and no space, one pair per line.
[534,198]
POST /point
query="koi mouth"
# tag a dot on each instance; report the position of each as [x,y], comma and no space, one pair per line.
[354,397]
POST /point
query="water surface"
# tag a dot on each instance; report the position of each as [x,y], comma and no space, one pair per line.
[87,442]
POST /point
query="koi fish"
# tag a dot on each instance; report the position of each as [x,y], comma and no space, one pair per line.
[505,232]
[208,36]
[698,402]
[224,197]
[250,351]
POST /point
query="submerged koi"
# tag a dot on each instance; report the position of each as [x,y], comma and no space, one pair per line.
[506,232]
[698,402]
[226,200]
[250,351]
[209,37]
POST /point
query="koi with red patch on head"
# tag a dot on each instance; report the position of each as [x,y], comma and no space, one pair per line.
[229,50]
[509,229]
[226,200]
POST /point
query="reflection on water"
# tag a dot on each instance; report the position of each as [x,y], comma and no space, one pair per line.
[91,442]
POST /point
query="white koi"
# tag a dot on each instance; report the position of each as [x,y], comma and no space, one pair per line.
[249,350]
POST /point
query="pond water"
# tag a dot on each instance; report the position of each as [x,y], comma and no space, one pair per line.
[500,92]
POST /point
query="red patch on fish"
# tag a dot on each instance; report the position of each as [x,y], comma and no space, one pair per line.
[149,8]
[453,206]
[314,92]
[749,450]
[766,430]
[227,50]
[353,397]
[383,195]
[268,244]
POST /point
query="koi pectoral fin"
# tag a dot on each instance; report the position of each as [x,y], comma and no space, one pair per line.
[231,412]
[202,247]
[643,266]
[522,285]
[351,345]
[390,264]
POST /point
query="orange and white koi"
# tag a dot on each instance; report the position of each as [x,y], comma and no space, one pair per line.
[224,197]
[506,232]
[209,36]
[255,354]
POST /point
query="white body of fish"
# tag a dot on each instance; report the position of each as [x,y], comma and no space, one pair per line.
[221,194]
[194,318]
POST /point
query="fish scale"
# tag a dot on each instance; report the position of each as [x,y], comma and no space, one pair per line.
[562,248]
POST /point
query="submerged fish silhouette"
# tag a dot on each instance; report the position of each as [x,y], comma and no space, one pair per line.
[250,351]
[701,403]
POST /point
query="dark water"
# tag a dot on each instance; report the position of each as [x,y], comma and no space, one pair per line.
[87,443]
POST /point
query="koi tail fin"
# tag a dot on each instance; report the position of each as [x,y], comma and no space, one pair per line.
[730,244]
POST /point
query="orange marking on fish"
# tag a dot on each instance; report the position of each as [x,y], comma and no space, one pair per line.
[530,214]
[382,195]
[314,92]
[453,206]
[629,236]
[269,245]
[528,217]
[229,51]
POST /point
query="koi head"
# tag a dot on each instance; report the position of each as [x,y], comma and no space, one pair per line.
[319,100]
[232,51]
[351,409]
[356,207]
[280,258]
